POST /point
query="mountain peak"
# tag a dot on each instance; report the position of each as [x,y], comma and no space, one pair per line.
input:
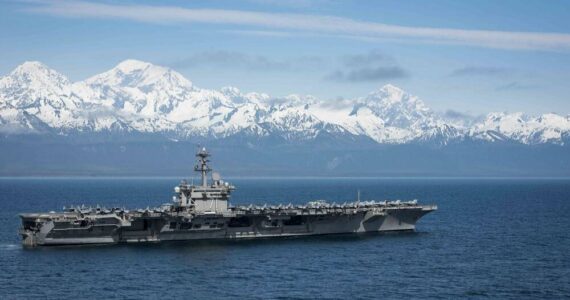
[130,65]
[30,66]
[392,89]
[35,75]
[501,116]
[389,94]
[37,70]
[230,91]
[140,74]
[33,85]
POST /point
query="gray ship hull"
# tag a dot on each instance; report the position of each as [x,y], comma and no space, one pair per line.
[111,228]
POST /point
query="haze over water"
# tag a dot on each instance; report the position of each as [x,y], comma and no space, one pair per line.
[498,238]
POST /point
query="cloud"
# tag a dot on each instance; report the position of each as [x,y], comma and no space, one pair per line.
[363,60]
[480,71]
[239,60]
[371,66]
[264,33]
[229,59]
[302,23]
[458,115]
[461,119]
[291,3]
[515,85]
[368,74]
[453,114]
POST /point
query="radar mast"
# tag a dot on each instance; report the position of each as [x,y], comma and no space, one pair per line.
[202,165]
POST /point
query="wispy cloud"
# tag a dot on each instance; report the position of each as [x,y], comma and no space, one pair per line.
[291,3]
[303,23]
[371,66]
[462,119]
[515,85]
[366,59]
[229,59]
[480,71]
[264,33]
[240,60]
[459,115]
[368,74]
[508,75]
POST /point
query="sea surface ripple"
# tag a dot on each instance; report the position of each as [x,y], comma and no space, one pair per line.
[490,238]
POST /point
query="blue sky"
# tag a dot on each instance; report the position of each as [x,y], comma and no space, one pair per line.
[467,56]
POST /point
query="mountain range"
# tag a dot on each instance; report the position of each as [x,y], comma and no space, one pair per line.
[139,97]
[138,101]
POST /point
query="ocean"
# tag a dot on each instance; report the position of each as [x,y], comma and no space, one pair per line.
[490,238]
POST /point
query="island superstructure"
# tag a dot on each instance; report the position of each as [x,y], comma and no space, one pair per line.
[203,211]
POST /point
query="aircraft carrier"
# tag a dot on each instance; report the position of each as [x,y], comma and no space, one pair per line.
[200,212]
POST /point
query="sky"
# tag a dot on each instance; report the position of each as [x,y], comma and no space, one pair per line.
[471,57]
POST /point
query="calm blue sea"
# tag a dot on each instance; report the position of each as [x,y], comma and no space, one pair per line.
[492,238]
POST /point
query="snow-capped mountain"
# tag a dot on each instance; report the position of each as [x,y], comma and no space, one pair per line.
[136,96]
[138,87]
[547,128]
[388,115]
[33,89]
[35,98]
